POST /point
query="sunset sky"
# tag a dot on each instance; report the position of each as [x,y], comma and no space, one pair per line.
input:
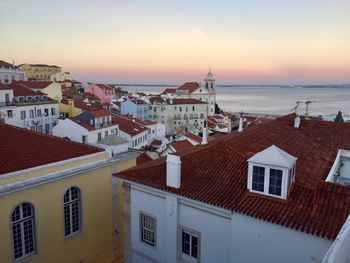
[163,41]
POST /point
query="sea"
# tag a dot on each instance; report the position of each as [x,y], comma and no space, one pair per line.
[326,101]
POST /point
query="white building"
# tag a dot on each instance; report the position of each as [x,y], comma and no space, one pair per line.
[204,91]
[135,134]
[23,107]
[179,115]
[9,73]
[269,194]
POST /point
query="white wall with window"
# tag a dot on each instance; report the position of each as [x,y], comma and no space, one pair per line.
[205,233]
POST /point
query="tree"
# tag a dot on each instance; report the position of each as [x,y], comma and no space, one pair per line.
[217,108]
[339,117]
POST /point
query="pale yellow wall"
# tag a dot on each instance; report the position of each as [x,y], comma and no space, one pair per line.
[54,91]
[39,71]
[70,109]
[93,244]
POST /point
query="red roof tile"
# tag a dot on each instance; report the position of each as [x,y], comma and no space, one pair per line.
[190,86]
[22,149]
[35,84]
[184,101]
[5,64]
[99,112]
[143,158]
[128,126]
[217,174]
[182,145]
[169,90]
[194,137]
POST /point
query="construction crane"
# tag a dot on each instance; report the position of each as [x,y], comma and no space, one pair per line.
[308,103]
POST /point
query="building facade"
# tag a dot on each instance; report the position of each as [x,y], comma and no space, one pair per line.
[55,199]
[40,71]
[23,107]
[179,116]
[9,73]
[105,93]
[135,107]
[276,193]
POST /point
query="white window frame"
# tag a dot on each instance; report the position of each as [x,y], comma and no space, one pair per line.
[144,229]
[21,222]
[69,204]
[193,233]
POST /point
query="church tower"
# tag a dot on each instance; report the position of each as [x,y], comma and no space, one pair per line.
[209,82]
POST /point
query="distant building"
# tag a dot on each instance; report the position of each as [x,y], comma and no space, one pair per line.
[40,71]
[278,192]
[135,107]
[10,72]
[52,89]
[179,116]
[105,93]
[27,108]
[205,92]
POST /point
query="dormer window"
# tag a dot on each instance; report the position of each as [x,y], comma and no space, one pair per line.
[271,172]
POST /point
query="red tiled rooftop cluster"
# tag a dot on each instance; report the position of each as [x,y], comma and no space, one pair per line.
[217,174]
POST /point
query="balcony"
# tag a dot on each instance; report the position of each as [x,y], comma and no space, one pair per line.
[6,104]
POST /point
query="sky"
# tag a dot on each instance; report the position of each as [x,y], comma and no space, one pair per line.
[169,42]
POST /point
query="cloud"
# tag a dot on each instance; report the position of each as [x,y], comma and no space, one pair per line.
[198,31]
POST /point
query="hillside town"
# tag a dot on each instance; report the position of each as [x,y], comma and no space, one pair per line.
[91,172]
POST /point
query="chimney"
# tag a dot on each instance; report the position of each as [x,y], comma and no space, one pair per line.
[204,136]
[173,171]
[297,122]
[240,128]
[171,101]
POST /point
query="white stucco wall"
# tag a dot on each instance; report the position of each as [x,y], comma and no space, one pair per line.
[224,236]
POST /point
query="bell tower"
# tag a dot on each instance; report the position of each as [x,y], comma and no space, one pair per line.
[209,82]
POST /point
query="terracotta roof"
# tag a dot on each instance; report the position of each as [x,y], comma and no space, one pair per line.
[35,84]
[104,86]
[157,142]
[33,149]
[136,120]
[182,145]
[5,64]
[169,90]
[128,126]
[99,112]
[190,86]
[156,99]
[194,137]
[184,101]
[335,135]
[88,126]
[20,90]
[217,174]
[143,158]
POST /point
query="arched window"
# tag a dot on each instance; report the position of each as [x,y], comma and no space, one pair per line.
[72,217]
[23,232]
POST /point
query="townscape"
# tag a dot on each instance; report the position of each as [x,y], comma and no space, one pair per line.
[91,172]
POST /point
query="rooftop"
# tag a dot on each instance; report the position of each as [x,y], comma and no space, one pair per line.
[23,149]
[190,86]
[128,126]
[184,101]
[216,174]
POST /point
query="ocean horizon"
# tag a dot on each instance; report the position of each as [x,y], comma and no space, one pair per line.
[327,100]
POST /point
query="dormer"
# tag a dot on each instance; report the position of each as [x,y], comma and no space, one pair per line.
[271,172]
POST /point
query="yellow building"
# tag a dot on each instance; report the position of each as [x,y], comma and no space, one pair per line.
[68,108]
[52,89]
[40,71]
[55,199]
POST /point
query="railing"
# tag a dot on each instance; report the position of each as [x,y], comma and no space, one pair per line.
[6,103]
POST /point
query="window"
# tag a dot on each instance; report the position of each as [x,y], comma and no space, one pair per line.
[7,98]
[148,226]
[31,113]
[193,108]
[72,218]
[275,184]
[53,111]
[9,114]
[46,112]
[23,236]
[40,128]
[190,244]
[47,127]
[106,133]
[38,112]
[84,139]
[258,178]
[99,136]
[23,115]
